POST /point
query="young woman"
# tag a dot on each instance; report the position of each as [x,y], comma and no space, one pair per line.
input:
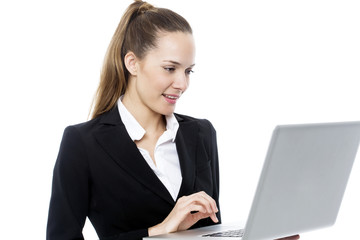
[137,168]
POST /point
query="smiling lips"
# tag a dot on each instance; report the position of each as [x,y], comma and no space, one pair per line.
[171,98]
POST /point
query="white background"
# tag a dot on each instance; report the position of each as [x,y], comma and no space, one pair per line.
[259,64]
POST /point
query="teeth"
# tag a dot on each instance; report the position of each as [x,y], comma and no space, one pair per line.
[171,97]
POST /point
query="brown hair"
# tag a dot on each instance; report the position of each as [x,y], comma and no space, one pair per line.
[137,32]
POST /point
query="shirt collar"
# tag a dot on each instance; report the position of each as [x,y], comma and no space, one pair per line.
[172,126]
[136,131]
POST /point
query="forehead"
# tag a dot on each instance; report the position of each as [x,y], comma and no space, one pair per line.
[174,46]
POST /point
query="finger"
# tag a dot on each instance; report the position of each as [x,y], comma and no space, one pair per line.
[199,209]
[213,206]
[200,215]
[210,200]
[214,218]
[197,199]
[191,203]
[194,208]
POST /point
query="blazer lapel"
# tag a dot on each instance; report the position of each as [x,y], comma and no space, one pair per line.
[114,139]
[186,143]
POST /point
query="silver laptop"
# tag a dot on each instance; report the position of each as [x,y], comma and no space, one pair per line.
[301,186]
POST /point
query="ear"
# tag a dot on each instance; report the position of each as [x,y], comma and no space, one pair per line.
[130,61]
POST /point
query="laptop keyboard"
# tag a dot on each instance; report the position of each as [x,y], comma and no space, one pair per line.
[229,233]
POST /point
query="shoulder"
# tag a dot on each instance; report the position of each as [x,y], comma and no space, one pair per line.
[203,127]
[74,135]
[203,124]
[111,117]
[84,126]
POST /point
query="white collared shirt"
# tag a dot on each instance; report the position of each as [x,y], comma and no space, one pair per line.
[167,167]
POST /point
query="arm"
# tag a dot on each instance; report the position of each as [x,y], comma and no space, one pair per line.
[69,198]
[215,168]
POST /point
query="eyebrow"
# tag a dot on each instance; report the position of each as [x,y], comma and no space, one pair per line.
[177,63]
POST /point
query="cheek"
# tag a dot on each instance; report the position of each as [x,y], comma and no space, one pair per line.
[162,82]
[152,86]
[153,82]
[158,82]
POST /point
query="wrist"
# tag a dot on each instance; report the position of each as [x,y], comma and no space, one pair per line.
[156,230]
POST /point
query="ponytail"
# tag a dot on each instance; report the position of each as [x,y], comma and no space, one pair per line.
[136,32]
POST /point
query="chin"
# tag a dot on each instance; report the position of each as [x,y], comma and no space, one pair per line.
[167,111]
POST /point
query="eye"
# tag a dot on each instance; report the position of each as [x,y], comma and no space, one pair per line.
[189,71]
[169,69]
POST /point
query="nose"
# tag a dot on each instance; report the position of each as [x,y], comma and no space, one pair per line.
[181,82]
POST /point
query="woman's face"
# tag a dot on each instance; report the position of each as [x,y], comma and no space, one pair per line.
[162,76]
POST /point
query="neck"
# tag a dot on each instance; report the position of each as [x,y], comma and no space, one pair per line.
[149,120]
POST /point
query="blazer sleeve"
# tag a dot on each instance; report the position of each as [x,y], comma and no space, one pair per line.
[210,136]
[70,190]
[69,201]
[215,169]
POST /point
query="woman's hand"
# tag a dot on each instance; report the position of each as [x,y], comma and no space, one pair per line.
[188,210]
[295,237]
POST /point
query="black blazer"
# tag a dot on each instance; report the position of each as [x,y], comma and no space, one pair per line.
[100,174]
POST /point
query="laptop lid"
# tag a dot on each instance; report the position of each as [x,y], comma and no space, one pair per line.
[303,179]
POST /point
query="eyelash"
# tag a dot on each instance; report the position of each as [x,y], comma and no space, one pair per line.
[169,69]
[189,71]
[172,69]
